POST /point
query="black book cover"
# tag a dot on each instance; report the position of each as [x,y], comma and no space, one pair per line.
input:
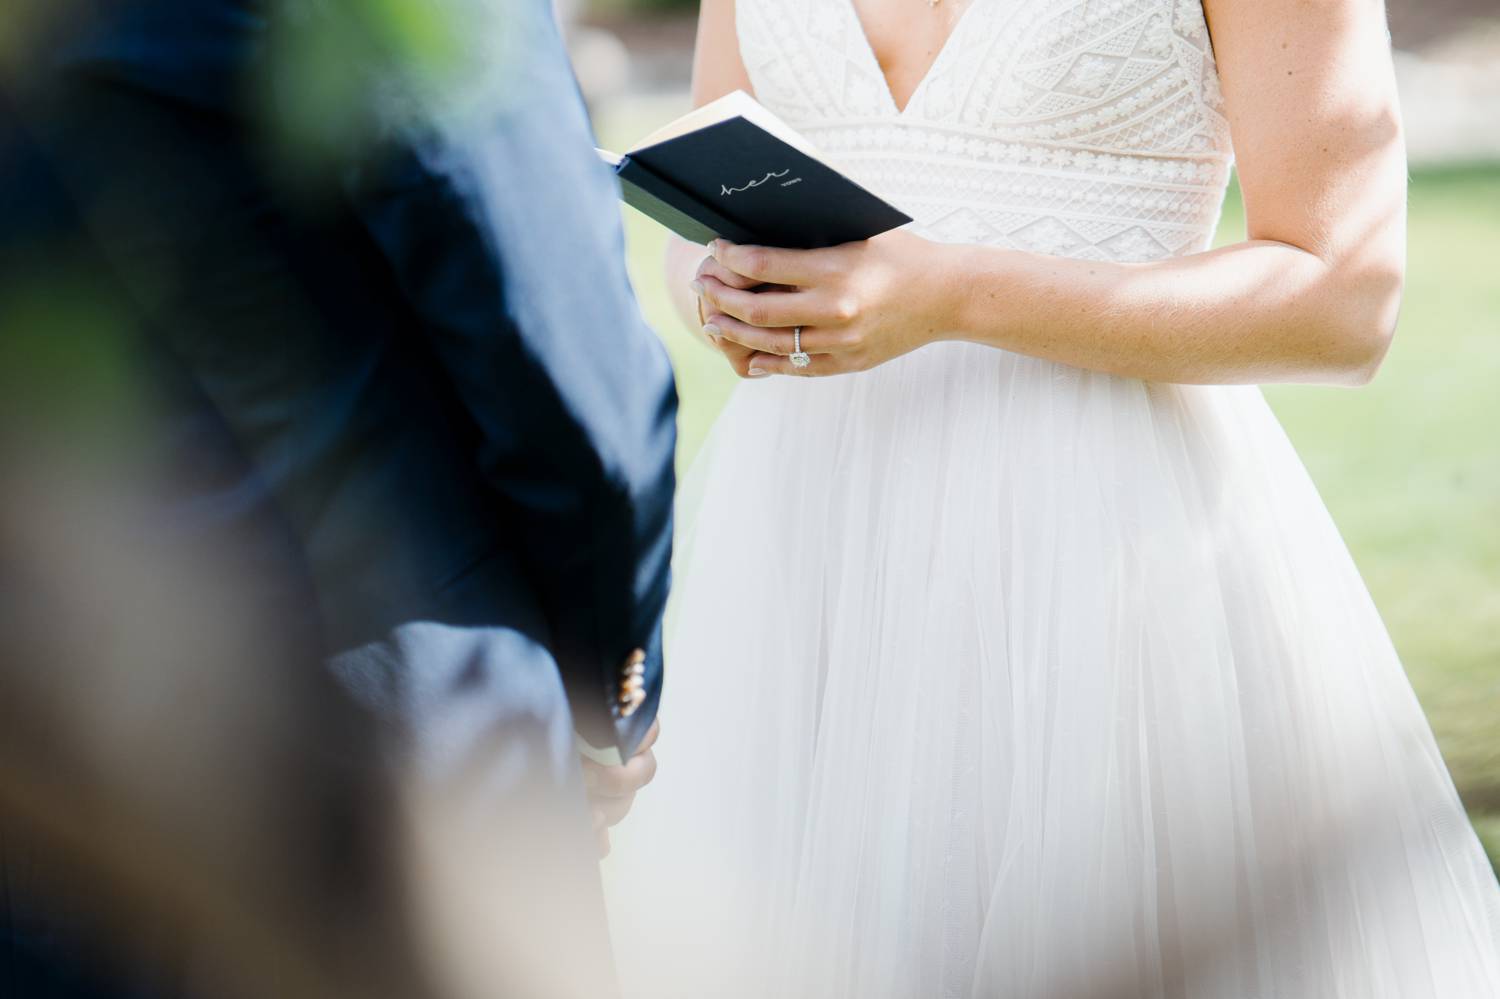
[735,180]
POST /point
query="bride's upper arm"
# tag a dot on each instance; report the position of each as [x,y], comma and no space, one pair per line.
[717,67]
[1310,95]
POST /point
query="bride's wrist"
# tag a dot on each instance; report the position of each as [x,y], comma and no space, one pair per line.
[984,294]
[947,281]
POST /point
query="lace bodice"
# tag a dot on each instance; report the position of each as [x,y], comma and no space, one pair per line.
[1082,128]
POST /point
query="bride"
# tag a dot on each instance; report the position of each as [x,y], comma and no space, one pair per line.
[1014,651]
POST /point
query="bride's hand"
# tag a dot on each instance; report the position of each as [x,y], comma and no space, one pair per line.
[859,305]
[737,355]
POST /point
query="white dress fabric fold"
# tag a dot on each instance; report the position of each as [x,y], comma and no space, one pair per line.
[988,676]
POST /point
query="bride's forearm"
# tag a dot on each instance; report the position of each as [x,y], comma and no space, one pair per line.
[1255,312]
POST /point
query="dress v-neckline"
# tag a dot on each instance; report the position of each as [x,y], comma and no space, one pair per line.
[885,81]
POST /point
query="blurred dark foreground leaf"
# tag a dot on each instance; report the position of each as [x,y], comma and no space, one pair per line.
[66,368]
[342,73]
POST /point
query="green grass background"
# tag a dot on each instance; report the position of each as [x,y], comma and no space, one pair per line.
[1409,465]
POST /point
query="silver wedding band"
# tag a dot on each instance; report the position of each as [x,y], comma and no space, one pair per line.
[799,356]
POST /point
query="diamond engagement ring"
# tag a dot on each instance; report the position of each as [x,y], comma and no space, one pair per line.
[798,356]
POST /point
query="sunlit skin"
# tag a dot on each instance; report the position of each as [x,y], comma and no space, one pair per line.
[1311,295]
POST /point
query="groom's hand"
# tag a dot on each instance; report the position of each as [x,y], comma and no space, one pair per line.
[612,790]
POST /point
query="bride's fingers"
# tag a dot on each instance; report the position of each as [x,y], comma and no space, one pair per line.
[766,309]
[712,268]
[769,341]
[776,266]
[818,366]
[737,356]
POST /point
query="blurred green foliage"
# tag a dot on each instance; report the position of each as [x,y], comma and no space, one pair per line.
[328,63]
[68,373]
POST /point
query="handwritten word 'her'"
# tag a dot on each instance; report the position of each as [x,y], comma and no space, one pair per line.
[725,190]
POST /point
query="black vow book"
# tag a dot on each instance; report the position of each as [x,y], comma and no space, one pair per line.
[732,169]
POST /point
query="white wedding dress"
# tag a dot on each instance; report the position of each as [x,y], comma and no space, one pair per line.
[989,676]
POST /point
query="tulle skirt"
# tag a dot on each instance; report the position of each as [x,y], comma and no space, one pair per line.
[989,676]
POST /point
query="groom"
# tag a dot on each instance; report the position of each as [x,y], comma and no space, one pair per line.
[414,318]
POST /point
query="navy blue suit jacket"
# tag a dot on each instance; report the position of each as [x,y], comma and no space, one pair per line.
[427,345]
[422,347]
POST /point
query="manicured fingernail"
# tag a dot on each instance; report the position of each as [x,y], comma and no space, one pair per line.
[713,330]
[697,287]
[756,372]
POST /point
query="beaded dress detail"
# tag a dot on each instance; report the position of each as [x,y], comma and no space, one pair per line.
[989,676]
[1087,130]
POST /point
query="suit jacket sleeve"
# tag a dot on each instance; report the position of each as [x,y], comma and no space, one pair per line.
[502,229]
